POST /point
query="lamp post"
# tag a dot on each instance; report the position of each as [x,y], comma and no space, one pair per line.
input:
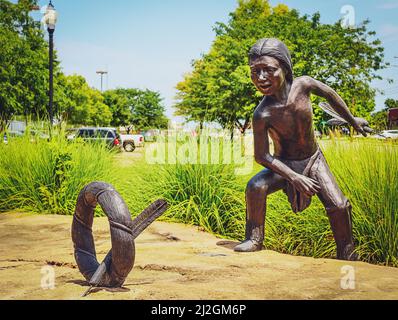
[102,74]
[50,19]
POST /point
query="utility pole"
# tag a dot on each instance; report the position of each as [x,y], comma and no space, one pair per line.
[100,72]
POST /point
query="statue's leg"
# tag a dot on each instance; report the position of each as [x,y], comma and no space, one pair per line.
[338,209]
[258,188]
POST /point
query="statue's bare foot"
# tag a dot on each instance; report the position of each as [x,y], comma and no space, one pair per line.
[248,246]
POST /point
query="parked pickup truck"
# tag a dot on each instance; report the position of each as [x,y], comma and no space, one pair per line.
[131,141]
[96,134]
[127,141]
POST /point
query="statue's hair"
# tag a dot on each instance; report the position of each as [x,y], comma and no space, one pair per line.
[273,48]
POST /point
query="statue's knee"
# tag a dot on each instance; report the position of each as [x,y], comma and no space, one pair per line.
[257,186]
[340,207]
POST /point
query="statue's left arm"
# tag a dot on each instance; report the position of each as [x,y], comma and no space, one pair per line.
[336,102]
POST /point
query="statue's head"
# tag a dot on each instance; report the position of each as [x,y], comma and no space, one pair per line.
[271,65]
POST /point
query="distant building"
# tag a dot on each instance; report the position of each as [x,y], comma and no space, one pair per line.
[393,118]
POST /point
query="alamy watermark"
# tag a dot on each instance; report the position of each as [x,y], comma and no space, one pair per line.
[205,149]
[48,278]
[347,281]
[348,16]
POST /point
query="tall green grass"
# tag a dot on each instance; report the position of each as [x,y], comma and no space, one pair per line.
[367,172]
[204,195]
[211,196]
[46,176]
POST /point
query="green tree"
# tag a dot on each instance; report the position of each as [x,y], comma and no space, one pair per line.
[23,62]
[141,108]
[379,120]
[148,111]
[78,103]
[219,87]
[391,103]
[120,106]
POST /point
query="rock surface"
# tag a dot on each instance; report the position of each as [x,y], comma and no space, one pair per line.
[173,261]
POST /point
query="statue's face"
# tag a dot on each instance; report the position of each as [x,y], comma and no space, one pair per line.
[267,75]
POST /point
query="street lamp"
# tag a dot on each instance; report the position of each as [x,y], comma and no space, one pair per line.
[50,19]
[100,72]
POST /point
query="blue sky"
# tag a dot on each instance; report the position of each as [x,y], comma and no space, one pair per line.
[151,43]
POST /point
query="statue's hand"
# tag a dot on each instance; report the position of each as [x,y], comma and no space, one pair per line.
[361,125]
[306,185]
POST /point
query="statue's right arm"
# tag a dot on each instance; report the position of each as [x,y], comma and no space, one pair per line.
[264,158]
[261,149]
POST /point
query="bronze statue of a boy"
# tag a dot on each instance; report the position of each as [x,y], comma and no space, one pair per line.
[298,165]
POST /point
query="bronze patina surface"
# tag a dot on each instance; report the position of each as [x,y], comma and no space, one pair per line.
[297,166]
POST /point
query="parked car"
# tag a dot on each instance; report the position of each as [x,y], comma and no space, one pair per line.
[131,141]
[93,134]
[386,134]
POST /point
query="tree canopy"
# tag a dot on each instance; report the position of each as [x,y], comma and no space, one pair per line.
[379,119]
[391,103]
[78,103]
[141,108]
[23,62]
[219,87]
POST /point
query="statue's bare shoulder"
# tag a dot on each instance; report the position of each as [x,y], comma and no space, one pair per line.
[298,99]
[301,88]
[262,114]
